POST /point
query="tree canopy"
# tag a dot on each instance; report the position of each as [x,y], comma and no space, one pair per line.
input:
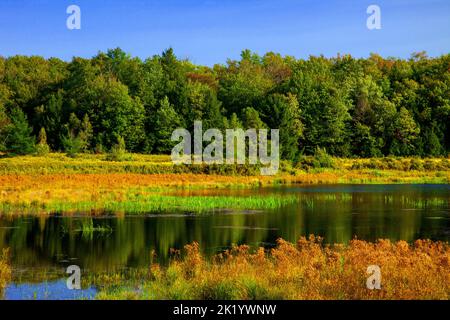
[348,106]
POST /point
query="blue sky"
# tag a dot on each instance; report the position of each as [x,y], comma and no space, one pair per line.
[210,31]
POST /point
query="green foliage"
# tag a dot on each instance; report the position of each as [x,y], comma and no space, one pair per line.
[19,139]
[322,159]
[351,107]
[118,151]
[42,148]
[286,115]
[166,121]
[72,145]
[4,124]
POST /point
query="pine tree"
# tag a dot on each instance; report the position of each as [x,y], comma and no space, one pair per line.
[19,137]
[86,133]
[167,120]
[42,148]
[119,151]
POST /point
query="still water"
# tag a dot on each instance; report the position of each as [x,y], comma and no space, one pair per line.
[338,213]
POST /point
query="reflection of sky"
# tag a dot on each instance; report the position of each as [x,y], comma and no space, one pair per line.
[56,290]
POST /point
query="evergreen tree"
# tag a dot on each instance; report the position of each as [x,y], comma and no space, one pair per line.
[42,148]
[19,134]
[166,121]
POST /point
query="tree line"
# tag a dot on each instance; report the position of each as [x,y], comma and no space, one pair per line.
[350,107]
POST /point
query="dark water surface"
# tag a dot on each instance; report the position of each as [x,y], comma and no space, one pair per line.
[336,212]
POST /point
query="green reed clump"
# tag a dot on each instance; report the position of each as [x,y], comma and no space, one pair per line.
[137,204]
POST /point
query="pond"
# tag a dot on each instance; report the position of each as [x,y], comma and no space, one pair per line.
[338,213]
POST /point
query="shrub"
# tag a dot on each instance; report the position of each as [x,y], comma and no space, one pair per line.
[416,164]
[72,145]
[429,165]
[307,270]
[118,151]
[42,148]
[322,159]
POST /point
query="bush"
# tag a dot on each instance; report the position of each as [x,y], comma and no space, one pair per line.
[416,164]
[42,148]
[72,145]
[119,152]
[429,165]
[322,159]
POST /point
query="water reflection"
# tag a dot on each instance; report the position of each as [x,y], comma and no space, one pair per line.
[337,213]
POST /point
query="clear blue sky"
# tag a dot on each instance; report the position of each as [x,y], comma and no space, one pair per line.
[210,31]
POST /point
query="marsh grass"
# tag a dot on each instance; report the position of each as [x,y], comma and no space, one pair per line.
[138,204]
[305,270]
[376,170]
[96,200]
[5,270]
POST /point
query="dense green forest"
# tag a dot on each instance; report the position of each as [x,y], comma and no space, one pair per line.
[349,107]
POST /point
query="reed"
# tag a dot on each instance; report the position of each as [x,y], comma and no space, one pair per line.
[305,270]
[5,271]
[138,204]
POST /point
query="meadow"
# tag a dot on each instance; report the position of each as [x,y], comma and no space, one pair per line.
[339,169]
[309,269]
[92,183]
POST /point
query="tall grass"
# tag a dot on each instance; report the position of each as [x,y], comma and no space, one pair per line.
[56,163]
[5,271]
[305,270]
[153,204]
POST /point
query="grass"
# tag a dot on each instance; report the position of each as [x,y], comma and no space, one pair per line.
[153,204]
[5,271]
[305,270]
[307,170]
[33,184]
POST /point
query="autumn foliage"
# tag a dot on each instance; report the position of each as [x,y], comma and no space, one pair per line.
[307,270]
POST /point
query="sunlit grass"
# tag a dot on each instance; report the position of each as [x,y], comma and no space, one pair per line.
[154,204]
[306,270]
[376,170]
[5,271]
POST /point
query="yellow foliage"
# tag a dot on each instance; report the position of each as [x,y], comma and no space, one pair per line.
[308,270]
[5,270]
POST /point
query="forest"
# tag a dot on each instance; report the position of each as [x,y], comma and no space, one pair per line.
[349,107]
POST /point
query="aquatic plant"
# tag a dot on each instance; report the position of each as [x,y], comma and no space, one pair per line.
[153,204]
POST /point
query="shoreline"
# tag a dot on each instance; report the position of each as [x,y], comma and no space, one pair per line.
[40,185]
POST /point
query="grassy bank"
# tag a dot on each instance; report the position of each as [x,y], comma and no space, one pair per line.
[305,270]
[57,163]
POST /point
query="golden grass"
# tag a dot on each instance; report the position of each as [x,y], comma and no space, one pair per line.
[96,191]
[45,181]
[5,271]
[305,270]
